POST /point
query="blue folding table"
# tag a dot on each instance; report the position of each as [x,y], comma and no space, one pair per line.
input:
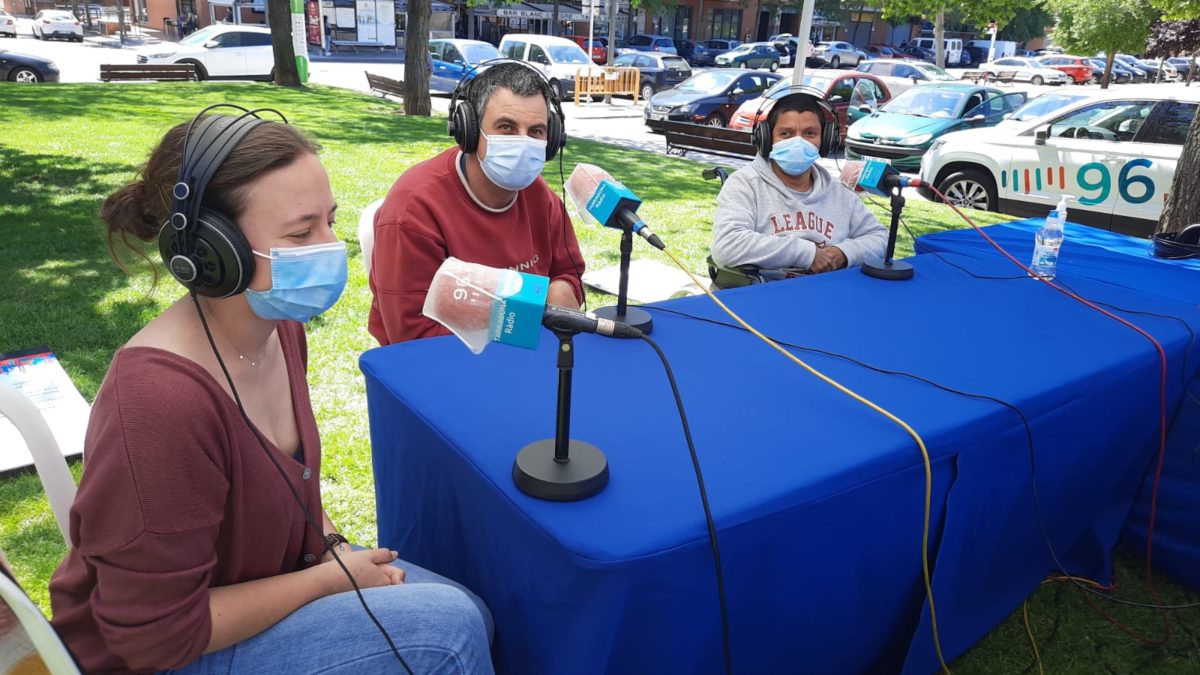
[817,500]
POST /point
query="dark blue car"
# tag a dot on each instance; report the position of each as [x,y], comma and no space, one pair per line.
[705,53]
[25,68]
[709,98]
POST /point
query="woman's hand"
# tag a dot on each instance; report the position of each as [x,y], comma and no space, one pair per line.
[370,568]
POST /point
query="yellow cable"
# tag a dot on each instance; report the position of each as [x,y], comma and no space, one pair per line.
[1037,656]
[937,644]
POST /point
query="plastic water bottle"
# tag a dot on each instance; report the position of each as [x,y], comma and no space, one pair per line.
[1048,241]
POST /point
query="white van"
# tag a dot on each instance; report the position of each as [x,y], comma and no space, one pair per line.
[559,58]
[953,49]
[1004,48]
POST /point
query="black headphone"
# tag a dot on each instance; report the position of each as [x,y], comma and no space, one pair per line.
[204,249]
[831,126]
[464,118]
[1178,245]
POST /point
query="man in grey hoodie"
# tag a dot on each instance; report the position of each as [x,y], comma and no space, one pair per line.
[786,215]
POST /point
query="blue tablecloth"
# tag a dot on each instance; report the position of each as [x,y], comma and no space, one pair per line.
[817,500]
[1090,253]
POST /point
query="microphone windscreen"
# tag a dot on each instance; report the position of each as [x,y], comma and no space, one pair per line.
[583,182]
[461,297]
[850,173]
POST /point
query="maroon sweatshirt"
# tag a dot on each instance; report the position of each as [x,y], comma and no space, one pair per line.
[177,497]
[429,216]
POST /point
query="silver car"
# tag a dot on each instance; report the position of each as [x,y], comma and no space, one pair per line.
[837,54]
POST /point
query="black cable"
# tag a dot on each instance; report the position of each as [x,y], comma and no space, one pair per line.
[1024,421]
[708,519]
[308,516]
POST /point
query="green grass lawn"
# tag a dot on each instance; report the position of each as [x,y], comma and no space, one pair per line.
[65,148]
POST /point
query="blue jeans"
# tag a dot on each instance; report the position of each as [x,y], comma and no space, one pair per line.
[438,626]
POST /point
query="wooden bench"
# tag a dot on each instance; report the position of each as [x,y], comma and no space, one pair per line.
[974,75]
[1003,76]
[683,137]
[173,72]
[385,86]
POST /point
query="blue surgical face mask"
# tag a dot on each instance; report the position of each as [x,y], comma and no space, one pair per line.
[794,155]
[513,162]
[305,281]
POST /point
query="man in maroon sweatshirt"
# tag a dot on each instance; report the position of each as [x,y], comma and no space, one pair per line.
[483,201]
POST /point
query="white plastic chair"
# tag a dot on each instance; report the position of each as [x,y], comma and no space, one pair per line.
[38,635]
[366,233]
[47,459]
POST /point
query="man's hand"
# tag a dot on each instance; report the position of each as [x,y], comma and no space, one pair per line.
[561,294]
[827,259]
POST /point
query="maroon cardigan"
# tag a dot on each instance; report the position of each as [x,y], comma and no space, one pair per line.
[177,497]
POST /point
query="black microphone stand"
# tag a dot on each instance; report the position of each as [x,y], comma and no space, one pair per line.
[561,469]
[891,270]
[638,318]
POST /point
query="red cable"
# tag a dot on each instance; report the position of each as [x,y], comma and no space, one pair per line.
[1162,401]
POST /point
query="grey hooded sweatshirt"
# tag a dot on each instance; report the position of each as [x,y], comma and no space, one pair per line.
[760,221]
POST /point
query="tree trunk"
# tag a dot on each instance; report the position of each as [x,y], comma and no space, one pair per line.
[939,38]
[416,65]
[1108,63]
[1183,202]
[279,18]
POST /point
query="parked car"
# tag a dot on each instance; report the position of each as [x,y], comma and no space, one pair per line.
[918,53]
[221,51]
[751,55]
[686,49]
[849,92]
[787,53]
[658,72]
[951,48]
[709,98]
[1078,67]
[1115,152]
[1169,73]
[1131,63]
[905,127]
[26,68]
[599,50]
[621,47]
[1027,70]
[652,43]
[837,54]
[705,53]
[883,52]
[455,59]
[1184,66]
[1029,53]
[901,75]
[1040,106]
[8,24]
[1119,72]
[559,58]
[56,23]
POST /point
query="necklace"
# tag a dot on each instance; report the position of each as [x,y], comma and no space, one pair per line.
[252,360]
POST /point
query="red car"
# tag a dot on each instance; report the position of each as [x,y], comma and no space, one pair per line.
[846,90]
[883,52]
[599,47]
[1079,68]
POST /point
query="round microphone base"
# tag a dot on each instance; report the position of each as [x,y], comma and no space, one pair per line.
[638,318]
[538,475]
[897,270]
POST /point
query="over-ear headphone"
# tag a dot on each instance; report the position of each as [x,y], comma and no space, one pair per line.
[1178,245]
[831,126]
[202,247]
[465,119]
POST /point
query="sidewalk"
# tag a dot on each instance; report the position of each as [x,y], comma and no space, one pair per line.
[144,36]
[620,108]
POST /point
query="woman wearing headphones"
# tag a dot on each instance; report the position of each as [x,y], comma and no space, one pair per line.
[198,537]
[784,214]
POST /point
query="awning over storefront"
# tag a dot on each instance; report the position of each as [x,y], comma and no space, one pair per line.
[402,7]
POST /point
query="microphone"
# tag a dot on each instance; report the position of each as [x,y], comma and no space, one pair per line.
[602,199]
[481,304]
[875,176]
